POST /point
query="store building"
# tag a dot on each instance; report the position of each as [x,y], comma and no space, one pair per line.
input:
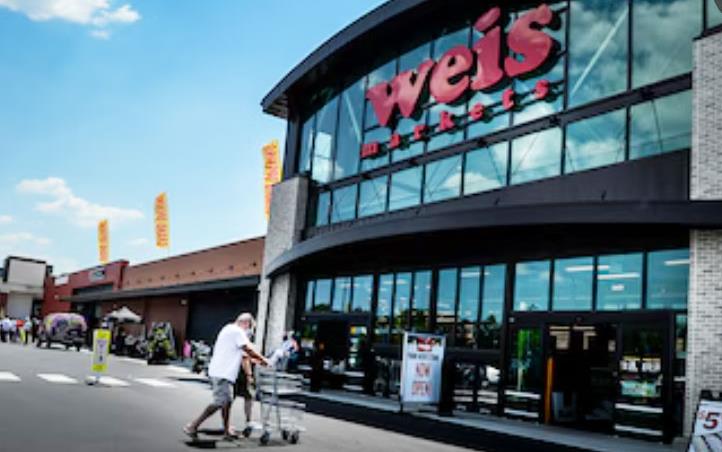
[21,286]
[538,181]
[196,292]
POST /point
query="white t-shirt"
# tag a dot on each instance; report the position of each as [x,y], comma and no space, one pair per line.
[228,352]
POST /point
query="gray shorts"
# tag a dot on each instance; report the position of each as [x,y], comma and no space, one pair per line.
[222,391]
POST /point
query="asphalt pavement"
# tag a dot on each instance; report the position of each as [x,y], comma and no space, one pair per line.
[45,405]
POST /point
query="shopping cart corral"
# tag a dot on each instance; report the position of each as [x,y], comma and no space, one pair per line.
[279,413]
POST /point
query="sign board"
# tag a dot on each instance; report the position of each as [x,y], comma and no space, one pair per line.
[707,433]
[96,274]
[162,223]
[103,242]
[422,359]
[271,172]
[101,350]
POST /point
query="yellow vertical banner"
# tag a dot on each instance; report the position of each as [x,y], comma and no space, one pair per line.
[162,225]
[271,172]
[103,242]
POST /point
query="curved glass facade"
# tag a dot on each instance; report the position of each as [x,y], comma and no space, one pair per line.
[602,49]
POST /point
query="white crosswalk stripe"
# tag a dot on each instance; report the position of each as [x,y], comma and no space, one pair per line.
[155,383]
[110,381]
[58,379]
[9,377]
[179,369]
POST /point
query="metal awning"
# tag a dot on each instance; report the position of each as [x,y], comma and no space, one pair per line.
[235,283]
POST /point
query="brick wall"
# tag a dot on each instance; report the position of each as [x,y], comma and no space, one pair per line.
[704,334]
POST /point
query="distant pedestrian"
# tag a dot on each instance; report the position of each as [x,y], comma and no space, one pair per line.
[28,329]
[5,329]
[232,344]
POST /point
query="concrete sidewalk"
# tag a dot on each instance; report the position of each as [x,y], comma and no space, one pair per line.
[498,428]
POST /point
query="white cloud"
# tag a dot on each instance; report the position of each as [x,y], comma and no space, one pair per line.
[95,13]
[6,219]
[65,203]
[12,240]
[141,241]
[100,34]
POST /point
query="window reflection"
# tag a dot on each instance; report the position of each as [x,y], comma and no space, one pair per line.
[381,135]
[383,307]
[349,131]
[595,142]
[344,204]
[323,295]
[322,168]
[383,73]
[492,312]
[310,287]
[598,36]
[468,309]
[446,302]
[486,168]
[304,160]
[405,189]
[531,286]
[322,208]
[619,282]
[495,117]
[661,125]
[363,287]
[422,301]
[402,300]
[573,280]
[714,15]
[442,179]
[663,36]
[536,156]
[341,295]
[667,279]
[372,197]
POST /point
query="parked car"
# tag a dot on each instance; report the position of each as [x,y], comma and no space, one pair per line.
[63,328]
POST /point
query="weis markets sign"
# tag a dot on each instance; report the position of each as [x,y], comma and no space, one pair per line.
[449,78]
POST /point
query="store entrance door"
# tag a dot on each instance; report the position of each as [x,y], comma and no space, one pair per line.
[580,384]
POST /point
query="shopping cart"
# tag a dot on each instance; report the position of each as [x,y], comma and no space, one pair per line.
[278,412]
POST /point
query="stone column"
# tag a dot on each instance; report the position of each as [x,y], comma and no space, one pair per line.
[277,294]
[704,333]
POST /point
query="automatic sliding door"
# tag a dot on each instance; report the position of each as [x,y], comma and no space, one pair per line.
[523,387]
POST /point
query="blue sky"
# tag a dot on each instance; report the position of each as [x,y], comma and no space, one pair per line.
[105,104]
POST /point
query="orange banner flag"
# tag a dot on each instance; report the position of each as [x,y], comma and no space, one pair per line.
[162,225]
[103,241]
[271,172]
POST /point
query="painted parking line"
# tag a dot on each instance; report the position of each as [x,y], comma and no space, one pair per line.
[9,377]
[154,382]
[58,379]
[110,381]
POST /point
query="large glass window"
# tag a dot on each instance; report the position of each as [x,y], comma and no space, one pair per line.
[446,302]
[525,365]
[383,73]
[304,160]
[363,287]
[468,309]
[536,156]
[323,295]
[381,135]
[598,36]
[661,125]
[663,36]
[422,301]
[573,281]
[495,116]
[323,205]
[348,145]
[308,302]
[341,294]
[405,126]
[492,312]
[594,142]
[372,198]
[344,204]
[485,168]
[402,300]
[531,286]
[619,282]
[322,168]
[405,188]
[383,306]
[667,279]
[443,179]
[714,15]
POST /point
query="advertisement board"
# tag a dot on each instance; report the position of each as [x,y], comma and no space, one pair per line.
[422,360]
[707,433]
[101,350]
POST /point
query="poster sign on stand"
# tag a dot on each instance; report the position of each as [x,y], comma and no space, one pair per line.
[422,360]
[101,350]
[707,432]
